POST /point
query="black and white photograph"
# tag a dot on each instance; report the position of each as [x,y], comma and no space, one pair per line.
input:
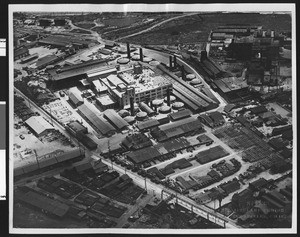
[152,118]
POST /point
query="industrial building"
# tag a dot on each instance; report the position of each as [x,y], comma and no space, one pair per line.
[142,87]
[75,99]
[106,102]
[99,123]
[70,75]
[43,203]
[190,96]
[48,161]
[185,113]
[213,119]
[118,122]
[160,150]
[76,128]
[21,52]
[179,128]
[39,126]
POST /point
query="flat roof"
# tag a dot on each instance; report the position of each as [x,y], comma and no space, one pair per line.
[105,100]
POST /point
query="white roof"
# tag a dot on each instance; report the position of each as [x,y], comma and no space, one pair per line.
[38,124]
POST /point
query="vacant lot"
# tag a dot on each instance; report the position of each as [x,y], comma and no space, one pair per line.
[85,25]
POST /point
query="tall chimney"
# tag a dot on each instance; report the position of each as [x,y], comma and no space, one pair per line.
[128,50]
[131,106]
[141,54]
[168,96]
[183,73]
[170,62]
[175,61]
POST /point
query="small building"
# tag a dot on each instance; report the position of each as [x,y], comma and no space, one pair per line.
[109,44]
[185,113]
[204,118]
[39,126]
[257,185]
[217,118]
[258,110]
[83,166]
[99,167]
[75,99]
[76,128]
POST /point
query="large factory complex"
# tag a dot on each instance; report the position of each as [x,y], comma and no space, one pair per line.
[102,127]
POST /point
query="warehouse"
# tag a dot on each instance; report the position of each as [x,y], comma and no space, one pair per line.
[146,154]
[185,113]
[44,203]
[151,123]
[70,75]
[21,53]
[76,128]
[115,119]
[176,129]
[97,122]
[39,126]
[75,99]
[193,98]
[43,163]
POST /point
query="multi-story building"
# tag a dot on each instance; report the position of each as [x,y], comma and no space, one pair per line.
[142,85]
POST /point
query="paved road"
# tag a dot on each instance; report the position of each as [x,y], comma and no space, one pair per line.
[156,25]
[157,189]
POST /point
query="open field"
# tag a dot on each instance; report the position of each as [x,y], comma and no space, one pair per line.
[193,29]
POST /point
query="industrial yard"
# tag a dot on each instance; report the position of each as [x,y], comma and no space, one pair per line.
[154,121]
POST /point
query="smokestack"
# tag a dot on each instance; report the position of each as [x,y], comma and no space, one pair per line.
[131,106]
[141,54]
[170,62]
[175,61]
[168,96]
[183,73]
[128,50]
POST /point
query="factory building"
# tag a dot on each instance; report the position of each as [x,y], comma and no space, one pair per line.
[179,128]
[39,126]
[98,123]
[106,102]
[76,128]
[70,75]
[142,87]
[21,53]
[115,119]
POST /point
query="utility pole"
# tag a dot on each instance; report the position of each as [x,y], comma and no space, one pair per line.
[108,146]
[145,184]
